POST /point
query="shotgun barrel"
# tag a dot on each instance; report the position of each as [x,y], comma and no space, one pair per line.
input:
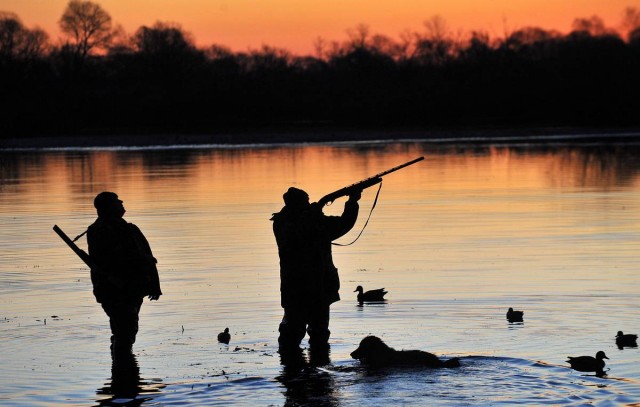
[365,183]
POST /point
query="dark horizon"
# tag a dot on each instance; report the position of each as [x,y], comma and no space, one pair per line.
[158,81]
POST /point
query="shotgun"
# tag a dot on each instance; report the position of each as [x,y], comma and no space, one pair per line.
[365,183]
[81,253]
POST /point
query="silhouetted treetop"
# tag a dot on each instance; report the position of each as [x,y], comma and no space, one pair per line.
[87,25]
[593,25]
[634,37]
[158,80]
[18,42]
[163,38]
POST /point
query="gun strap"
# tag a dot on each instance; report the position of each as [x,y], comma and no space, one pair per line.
[375,201]
[80,235]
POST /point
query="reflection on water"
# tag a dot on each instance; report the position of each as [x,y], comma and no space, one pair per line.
[126,387]
[304,383]
[456,240]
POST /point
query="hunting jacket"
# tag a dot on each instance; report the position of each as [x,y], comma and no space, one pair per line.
[307,273]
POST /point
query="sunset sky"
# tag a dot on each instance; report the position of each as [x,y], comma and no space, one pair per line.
[296,24]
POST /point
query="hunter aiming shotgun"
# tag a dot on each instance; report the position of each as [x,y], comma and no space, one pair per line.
[364,184]
[359,186]
[81,253]
[309,279]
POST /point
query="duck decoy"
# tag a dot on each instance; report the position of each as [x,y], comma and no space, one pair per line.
[225,336]
[623,340]
[514,316]
[371,295]
[588,363]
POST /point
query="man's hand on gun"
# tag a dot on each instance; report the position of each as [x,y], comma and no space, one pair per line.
[355,195]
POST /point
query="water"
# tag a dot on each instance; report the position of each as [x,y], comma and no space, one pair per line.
[552,229]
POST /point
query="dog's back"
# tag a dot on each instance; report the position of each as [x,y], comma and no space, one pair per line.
[373,351]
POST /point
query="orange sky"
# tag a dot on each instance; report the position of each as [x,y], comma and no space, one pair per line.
[295,24]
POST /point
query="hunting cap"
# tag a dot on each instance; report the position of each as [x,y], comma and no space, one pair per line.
[295,197]
[104,199]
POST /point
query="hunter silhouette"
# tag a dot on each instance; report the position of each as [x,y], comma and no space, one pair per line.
[309,281]
[126,270]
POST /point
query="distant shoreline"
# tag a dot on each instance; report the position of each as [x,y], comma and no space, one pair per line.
[270,136]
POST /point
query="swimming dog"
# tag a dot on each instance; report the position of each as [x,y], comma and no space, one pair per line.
[374,352]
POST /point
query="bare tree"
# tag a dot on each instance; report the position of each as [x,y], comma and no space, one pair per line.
[437,29]
[163,38]
[10,30]
[386,46]
[88,26]
[35,43]
[528,36]
[407,45]
[358,37]
[478,45]
[320,48]
[18,42]
[167,49]
[435,46]
[121,42]
[630,20]
[217,51]
[593,25]
[634,37]
[269,58]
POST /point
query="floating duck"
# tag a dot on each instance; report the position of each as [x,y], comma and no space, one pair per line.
[514,316]
[588,363]
[371,295]
[225,336]
[623,340]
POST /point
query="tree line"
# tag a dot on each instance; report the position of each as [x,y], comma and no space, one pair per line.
[97,79]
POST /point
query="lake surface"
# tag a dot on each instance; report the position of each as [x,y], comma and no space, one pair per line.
[552,229]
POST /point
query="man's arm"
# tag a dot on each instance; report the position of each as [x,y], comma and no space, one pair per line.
[337,226]
[148,262]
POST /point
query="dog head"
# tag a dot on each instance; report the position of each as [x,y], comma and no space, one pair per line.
[370,348]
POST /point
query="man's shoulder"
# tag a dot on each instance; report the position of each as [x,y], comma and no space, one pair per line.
[283,217]
[95,226]
[109,226]
[133,227]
